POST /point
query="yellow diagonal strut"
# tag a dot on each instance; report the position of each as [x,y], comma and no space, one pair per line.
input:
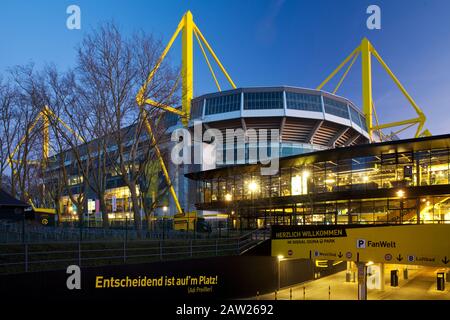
[189,29]
[45,114]
[149,129]
[366,50]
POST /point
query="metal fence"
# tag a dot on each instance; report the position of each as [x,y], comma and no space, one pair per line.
[26,257]
[26,232]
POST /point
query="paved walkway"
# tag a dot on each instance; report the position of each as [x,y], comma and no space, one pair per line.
[421,285]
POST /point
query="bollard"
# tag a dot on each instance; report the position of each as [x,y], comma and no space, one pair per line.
[329,292]
[304,293]
[79,254]
[26,257]
[290,294]
[257,295]
[276,295]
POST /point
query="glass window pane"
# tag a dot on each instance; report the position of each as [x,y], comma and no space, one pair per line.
[302,101]
[336,108]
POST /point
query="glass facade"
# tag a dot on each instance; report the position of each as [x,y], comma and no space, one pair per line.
[383,188]
[263,100]
[336,108]
[363,122]
[196,108]
[118,203]
[170,119]
[276,99]
[302,101]
[222,104]
[355,116]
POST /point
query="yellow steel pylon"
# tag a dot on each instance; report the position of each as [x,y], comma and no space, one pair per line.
[367,50]
[45,115]
[188,28]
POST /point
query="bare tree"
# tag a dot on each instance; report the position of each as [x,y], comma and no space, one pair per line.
[8,133]
[111,69]
[31,95]
[97,101]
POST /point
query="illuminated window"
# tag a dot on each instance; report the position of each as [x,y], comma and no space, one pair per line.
[299,183]
[74,180]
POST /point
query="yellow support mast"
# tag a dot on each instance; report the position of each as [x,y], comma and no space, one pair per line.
[187,66]
[46,139]
[367,50]
[189,29]
[367,94]
[45,116]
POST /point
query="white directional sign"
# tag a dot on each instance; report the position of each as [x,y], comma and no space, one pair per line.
[114,204]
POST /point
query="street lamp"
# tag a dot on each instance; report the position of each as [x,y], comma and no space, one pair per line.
[253,187]
[165,209]
[228,198]
[401,195]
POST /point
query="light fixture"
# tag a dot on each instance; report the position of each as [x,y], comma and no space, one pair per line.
[306,174]
[228,197]
[400,193]
[280,257]
[165,208]
[366,179]
[252,186]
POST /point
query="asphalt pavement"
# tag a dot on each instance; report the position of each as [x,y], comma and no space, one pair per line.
[420,285]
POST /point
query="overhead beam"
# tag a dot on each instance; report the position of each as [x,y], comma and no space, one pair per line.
[310,138]
[282,124]
[337,136]
[397,123]
[352,140]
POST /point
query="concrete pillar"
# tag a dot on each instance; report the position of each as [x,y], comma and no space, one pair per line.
[362,281]
[382,278]
[348,274]
[405,273]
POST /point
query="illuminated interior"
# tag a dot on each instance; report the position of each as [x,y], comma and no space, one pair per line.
[376,187]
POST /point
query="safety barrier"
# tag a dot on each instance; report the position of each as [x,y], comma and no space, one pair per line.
[25,257]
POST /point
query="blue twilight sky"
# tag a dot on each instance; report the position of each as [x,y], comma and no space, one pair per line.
[263,42]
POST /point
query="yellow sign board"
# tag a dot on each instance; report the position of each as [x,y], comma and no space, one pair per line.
[427,245]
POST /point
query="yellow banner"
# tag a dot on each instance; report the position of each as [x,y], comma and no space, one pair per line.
[427,245]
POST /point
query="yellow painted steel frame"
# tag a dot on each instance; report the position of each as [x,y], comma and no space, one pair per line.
[149,129]
[45,114]
[188,28]
[366,50]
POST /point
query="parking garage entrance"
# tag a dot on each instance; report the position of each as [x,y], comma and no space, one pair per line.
[367,249]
